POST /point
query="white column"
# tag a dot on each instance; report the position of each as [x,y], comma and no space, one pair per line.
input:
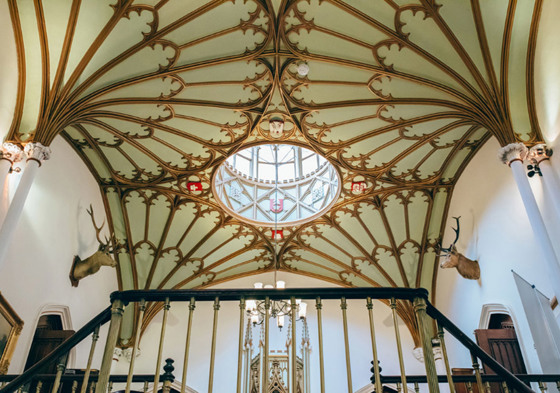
[36,154]
[539,155]
[10,153]
[513,155]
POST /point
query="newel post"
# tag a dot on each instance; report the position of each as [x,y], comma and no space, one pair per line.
[423,327]
[167,378]
[117,311]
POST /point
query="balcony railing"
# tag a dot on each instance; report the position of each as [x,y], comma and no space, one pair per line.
[431,325]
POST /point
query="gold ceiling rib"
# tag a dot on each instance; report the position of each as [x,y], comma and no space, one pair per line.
[155,95]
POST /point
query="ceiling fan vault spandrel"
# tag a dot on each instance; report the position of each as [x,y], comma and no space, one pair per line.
[155,95]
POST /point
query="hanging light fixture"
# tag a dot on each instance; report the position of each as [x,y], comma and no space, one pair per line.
[278,308]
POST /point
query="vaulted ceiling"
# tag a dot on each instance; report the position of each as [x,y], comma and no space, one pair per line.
[153,95]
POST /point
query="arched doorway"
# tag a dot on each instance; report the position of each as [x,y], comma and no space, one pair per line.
[499,340]
[49,334]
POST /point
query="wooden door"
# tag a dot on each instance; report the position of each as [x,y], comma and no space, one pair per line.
[503,346]
[44,342]
[48,336]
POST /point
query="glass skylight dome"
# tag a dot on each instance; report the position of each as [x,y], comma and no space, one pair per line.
[276,184]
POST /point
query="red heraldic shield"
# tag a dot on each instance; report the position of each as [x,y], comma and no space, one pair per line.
[358,187]
[276,205]
[194,186]
[277,234]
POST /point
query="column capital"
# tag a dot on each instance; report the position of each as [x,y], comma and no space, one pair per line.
[37,152]
[418,354]
[513,152]
[539,153]
[127,353]
[117,353]
[12,152]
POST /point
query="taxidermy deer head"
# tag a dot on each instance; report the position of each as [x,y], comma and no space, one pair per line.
[451,258]
[102,257]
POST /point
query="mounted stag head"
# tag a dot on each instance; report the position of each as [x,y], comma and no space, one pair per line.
[451,258]
[102,257]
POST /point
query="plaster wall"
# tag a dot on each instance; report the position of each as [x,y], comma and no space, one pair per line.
[53,228]
[494,226]
[495,231]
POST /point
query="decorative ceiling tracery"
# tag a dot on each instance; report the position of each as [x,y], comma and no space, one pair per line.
[154,95]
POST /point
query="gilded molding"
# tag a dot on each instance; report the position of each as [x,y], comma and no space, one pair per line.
[189,118]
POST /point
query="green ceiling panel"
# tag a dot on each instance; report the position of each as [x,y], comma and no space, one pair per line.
[155,95]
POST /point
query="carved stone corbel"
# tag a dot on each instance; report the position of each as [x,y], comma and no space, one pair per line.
[127,353]
[35,151]
[539,153]
[117,354]
[418,354]
[11,152]
[513,152]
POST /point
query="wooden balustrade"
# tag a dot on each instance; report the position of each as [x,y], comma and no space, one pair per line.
[297,376]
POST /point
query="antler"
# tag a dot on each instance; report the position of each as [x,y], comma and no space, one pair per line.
[457,230]
[97,229]
[111,245]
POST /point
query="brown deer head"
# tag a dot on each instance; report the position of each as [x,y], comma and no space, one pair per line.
[102,257]
[452,258]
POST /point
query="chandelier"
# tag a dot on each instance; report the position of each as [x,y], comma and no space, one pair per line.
[278,308]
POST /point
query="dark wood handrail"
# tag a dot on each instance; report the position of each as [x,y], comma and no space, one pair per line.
[445,323]
[272,294]
[122,378]
[100,319]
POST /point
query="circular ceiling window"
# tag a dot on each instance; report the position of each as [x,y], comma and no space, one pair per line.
[276,184]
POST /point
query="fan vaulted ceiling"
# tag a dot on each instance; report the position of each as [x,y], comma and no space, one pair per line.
[154,95]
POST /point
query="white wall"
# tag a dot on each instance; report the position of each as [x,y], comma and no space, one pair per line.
[494,226]
[226,359]
[53,228]
[495,231]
